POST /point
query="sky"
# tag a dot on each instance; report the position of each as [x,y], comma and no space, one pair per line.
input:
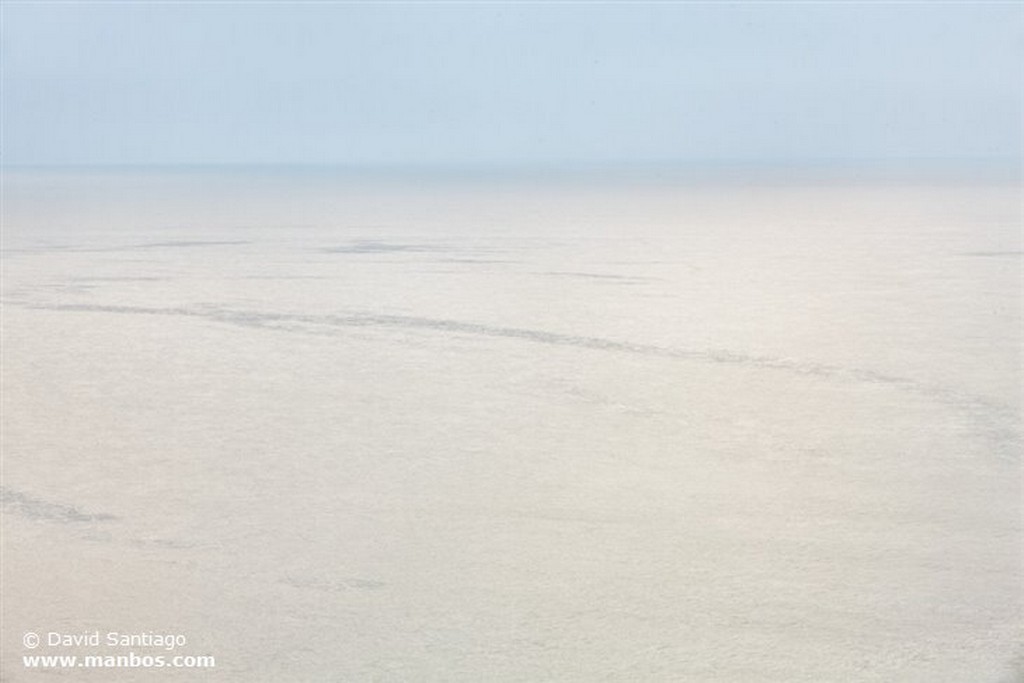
[474,83]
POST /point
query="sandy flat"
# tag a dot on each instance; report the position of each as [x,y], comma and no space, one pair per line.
[333,430]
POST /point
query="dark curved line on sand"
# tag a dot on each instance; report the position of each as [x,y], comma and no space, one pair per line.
[980,409]
[37,509]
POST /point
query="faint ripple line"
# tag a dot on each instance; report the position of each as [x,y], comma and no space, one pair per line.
[977,407]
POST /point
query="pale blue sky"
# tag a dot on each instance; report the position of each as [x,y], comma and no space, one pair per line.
[492,83]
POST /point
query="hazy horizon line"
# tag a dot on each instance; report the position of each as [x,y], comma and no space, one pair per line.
[1008,162]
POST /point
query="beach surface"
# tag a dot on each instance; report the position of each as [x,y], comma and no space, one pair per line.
[332,427]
